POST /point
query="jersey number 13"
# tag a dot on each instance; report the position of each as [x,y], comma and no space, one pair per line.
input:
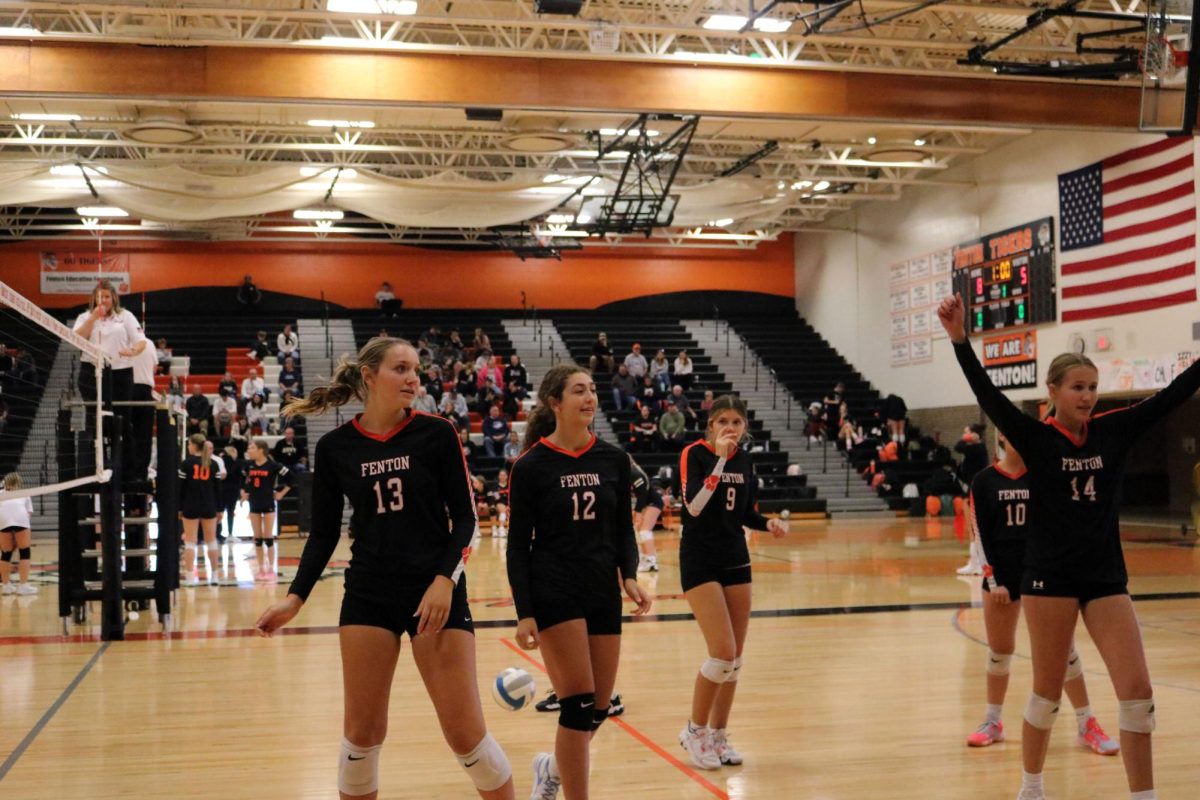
[395,500]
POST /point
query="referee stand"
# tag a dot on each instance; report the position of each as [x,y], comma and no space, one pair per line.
[104,545]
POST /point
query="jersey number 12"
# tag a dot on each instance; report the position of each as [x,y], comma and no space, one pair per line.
[589,500]
[395,502]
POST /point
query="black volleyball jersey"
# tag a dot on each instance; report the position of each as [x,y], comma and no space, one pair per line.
[198,483]
[413,511]
[261,480]
[1073,522]
[640,483]
[570,530]
[999,507]
[718,527]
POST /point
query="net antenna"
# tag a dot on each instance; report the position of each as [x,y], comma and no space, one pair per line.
[22,314]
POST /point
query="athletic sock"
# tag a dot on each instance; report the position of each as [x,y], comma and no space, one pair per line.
[993,712]
[1031,781]
[1082,715]
[1146,795]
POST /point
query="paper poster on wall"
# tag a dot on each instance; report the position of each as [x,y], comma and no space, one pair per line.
[921,350]
[919,322]
[1142,374]
[941,262]
[900,326]
[1011,359]
[918,268]
[919,295]
[900,353]
[899,301]
[72,272]
[942,288]
[898,273]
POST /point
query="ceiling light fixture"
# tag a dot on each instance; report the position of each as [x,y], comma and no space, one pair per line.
[871,140]
[47,117]
[340,123]
[101,211]
[919,142]
[318,213]
[9,30]
[735,22]
[821,186]
[398,7]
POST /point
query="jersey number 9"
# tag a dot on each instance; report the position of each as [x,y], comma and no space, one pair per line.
[396,502]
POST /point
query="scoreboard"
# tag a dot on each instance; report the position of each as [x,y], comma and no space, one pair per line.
[1007,279]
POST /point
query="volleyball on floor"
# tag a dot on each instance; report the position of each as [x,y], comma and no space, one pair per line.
[513,689]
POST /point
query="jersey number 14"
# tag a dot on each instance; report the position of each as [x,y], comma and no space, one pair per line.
[1089,488]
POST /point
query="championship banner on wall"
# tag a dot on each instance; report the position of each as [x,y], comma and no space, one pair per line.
[1011,359]
[68,272]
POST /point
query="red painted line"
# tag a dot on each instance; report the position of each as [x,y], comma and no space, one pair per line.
[650,744]
[157,636]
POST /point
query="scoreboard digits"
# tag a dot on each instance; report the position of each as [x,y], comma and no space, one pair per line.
[1008,279]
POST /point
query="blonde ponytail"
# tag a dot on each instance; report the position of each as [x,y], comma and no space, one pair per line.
[347,382]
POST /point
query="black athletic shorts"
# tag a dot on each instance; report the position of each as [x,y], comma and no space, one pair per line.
[1082,590]
[602,618]
[14,529]
[262,508]
[1008,571]
[696,568]
[396,615]
[198,511]
[652,499]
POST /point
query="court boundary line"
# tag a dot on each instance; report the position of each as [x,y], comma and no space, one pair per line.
[645,740]
[683,616]
[24,744]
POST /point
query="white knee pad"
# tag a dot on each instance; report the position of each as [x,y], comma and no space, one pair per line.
[646,536]
[358,769]
[717,670]
[737,670]
[1137,716]
[998,663]
[487,765]
[1074,665]
[1040,712]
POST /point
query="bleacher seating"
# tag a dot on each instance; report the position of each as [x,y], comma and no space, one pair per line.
[19,395]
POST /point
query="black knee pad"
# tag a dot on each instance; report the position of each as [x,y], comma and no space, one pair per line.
[576,712]
[26,553]
[269,542]
[6,555]
[599,715]
[260,542]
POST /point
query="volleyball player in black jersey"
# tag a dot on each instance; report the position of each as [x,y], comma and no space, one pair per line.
[198,508]
[265,484]
[999,513]
[1073,558]
[647,506]
[719,488]
[413,523]
[570,550]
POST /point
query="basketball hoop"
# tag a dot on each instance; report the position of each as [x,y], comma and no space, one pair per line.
[1160,60]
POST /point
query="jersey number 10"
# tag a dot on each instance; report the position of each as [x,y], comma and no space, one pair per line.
[395,502]
[1016,513]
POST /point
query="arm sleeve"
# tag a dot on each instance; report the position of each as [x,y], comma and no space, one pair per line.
[752,519]
[520,539]
[456,485]
[640,484]
[1134,420]
[326,527]
[29,506]
[133,328]
[698,487]
[1018,427]
[627,549]
[984,539]
[82,318]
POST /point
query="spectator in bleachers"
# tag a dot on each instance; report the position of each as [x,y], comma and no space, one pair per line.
[510,401]
[453,349]
[385,298]
[454,407]
[635,362]
[289,377]
[295,421]
[175,399]
[515,372]
[512,448]
[602,355]
[702,413]
[625,389]
[257,421]
[974,452]
[225,412]
[199,411]
[650,395]
[287,345]
[249,296]
[228,382]
[495,432]
[470,450]
[424,402]
[660,371]
[680,401]
[431,379]
[497,497]
[467,384]
[895,413]
[481,341]
[259,350]
[832,402]
[849,433]
[486,369]
[163,355]
[479,492]
[489,397]
[6,362]
[290,451]
[26,370]
[814,425]
[253,385]
[643,432]
[3,416]
[671,428]
[682,374]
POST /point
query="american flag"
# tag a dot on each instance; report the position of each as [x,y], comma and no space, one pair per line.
[1129,232]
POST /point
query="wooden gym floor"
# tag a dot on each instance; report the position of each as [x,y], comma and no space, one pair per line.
[864,673]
